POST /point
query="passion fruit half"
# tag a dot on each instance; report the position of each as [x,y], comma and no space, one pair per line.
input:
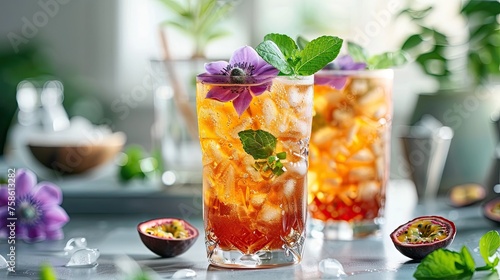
[491,210]
[467,194]
[420,236]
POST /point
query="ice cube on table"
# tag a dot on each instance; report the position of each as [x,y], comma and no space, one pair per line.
[331,268]
[184,274]
[75,244]
[3,263]
[84,258]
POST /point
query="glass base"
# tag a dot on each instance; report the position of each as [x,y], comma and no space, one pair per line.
[342,230]
[261,259]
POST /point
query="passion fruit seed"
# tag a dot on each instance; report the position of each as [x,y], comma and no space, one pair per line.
[173,230]
[423,232]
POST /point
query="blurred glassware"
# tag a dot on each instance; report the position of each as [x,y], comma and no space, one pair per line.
[175,129]
[43,134]
[425,147]
[55,117]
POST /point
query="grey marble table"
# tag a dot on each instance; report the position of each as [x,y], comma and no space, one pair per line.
[371,258]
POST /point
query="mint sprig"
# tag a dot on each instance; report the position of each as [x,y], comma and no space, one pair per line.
[379,61]
[284,53]
[261,146]
[446,264]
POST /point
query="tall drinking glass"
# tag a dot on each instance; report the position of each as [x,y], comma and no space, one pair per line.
[254,173]
[349,152]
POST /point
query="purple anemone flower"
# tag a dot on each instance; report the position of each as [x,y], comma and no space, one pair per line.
[245,67]
[36,213]
[341,63]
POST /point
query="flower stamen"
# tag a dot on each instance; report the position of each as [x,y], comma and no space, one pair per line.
[28,211]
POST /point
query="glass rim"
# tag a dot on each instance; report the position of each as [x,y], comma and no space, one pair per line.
[222,80]
[380,73]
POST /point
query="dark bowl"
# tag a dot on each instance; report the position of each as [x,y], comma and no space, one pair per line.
[164,247]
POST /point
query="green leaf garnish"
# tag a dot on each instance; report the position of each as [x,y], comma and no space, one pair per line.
[286,44]
[387,60]
[442,264]
[446,264]
[379,61]
[260,145]
[271,53]
[488,245]
[357,52]
[302,42]
[285,55]
[317,54]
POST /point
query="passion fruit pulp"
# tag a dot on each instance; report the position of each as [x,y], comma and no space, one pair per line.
[491,210]
[420,236]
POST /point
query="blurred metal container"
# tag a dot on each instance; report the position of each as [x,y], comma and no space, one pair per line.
[426,146]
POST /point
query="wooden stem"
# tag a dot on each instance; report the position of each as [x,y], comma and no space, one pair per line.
[181,98]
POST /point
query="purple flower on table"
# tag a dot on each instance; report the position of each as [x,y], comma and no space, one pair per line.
[37,209]
[244,67]
[341,63]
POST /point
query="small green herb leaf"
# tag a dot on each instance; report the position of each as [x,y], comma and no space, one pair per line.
[281,155]
[488,245]
[285,44]
[442,264]
[259,144]
[302,42]
[272,54]
[469,263]
[357,52]
[387,60]
[317,54]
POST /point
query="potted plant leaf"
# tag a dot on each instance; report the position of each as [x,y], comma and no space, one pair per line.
[464,100]
[175,130]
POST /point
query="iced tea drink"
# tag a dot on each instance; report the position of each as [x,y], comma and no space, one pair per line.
[255,205]
[349,152]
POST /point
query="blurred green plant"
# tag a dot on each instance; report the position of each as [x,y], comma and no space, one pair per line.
[484,38]
[429,46]
[199,19]
[136,164]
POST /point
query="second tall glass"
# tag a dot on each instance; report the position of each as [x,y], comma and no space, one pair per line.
[349,152]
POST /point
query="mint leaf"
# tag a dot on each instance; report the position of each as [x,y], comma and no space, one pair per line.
[387,60]
[488,245]
[357,52]
[317,54]
[286,44]
[302,42]
[259,144]
[443,264]
[271,53]
[283,53]
[469,263]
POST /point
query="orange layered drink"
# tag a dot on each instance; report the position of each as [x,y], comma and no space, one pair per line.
[349,152]
[254,120]
[255,208]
